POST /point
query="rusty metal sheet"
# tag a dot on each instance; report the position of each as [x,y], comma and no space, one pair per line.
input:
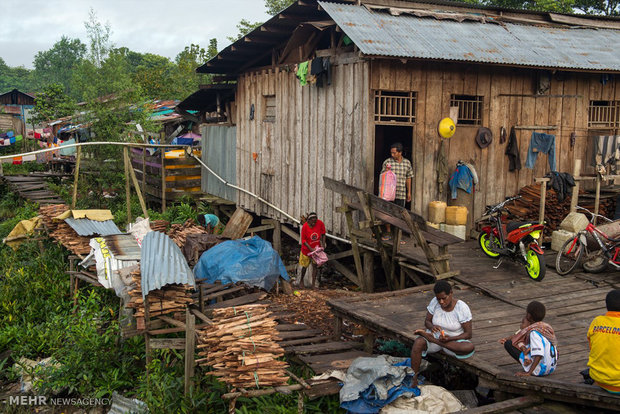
[123,247]
[162,263]
[378,33]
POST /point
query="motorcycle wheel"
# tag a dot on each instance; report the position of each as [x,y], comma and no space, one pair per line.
[535,266]
[487,243]
[596,263]
[566,261]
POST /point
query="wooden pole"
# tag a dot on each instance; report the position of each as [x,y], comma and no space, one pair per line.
[597,197]
[369,271]
[354,245]
[163,181]
[575,196]
[127,186]
[132,174]
[543,197]
[76,177]
[190,347]
[277,236]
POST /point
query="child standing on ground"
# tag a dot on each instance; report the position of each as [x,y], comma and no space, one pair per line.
[534,346]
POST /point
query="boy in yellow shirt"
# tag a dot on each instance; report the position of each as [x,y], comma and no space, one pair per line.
[604,339]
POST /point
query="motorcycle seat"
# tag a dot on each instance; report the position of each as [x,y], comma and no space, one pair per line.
[516,224]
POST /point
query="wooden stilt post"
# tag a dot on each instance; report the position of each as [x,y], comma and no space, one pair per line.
[575,197]
[543,198]
[337,328]
[357,259]
[277,236]
[597,197]
[127,186]
[163,180]
[190,347]
[369,271]
[76,177]
[376,230]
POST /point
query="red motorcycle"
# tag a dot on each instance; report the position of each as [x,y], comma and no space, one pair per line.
[517,241]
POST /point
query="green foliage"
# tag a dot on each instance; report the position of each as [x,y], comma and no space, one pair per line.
[15,78]
[56,65]
[99,38]
[276,6]
[52,104]
[561,6]
[185,79]
[10,215]
[244,27]
[602,7]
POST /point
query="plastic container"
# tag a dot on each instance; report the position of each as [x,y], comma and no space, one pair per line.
[456,215]
[574,222]
[433,225]
[437,212]
[442,226]
[558,238]
[459,230]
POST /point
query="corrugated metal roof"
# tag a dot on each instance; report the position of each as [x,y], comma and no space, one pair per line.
[162,263]
[123,247]
[381,34]
[87,227]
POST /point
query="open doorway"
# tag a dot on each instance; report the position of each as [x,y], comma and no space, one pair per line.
[385,136]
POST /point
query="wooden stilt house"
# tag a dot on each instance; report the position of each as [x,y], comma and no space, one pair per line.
[396,68]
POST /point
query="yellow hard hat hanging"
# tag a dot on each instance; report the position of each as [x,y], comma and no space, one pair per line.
[446,127]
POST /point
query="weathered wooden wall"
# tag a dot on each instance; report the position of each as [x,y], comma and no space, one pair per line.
[318,131]
[434,83]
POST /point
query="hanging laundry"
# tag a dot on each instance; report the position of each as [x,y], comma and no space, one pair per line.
[561,183]
[606,149]
[302,73]
[17,160]
[461,178]
[512,151]
[541,142]
[472,170]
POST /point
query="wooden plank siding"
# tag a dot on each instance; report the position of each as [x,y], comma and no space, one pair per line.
[317,132]
[434,83]
[330,131]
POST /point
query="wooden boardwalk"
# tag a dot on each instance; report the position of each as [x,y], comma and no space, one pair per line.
[33,188]
[497,298]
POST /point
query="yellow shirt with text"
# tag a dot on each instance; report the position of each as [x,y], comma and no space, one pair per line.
[604,360]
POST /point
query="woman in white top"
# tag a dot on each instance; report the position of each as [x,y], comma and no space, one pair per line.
[448,328]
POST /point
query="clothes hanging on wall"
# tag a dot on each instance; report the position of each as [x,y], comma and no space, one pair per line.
[561,183]
[512,151]
[462,178]
[541,142]
[442,167]
[321,69]
[302,73]
[606,149]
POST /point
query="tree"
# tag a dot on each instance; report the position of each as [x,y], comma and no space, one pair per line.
[52,103]
[56,65]
[276,6]
[186,78]
[15,78]
[244,27]
[99,36]
[602,7]
[560,6]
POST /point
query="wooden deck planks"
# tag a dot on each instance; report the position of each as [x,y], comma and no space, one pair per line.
[571,301]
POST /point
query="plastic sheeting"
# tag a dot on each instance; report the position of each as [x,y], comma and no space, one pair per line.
[107,264]
[374,382]
[432,399]
[252,261]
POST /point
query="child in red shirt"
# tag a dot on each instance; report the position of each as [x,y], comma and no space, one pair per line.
[312,236]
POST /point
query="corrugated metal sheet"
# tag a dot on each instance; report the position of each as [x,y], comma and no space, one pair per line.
[219,152]
[381,34]
[123,247]
[162,263]
[124,405]
[87,227]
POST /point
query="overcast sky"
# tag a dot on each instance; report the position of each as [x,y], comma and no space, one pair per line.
[162,27]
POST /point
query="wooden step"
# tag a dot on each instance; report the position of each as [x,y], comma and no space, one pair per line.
[303,341]
[324,348]
[307,333]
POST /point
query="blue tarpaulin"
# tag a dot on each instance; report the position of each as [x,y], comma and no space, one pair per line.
[252,261]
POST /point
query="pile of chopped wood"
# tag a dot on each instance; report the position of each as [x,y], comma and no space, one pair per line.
[159,225]
[170,299]
[48,213]
[241,347]
[527,208]
[179,232]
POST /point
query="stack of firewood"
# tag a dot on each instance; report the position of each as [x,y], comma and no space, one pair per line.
[48,213]
[170,299]
[527,208]
[159,225]
[179,232]
[241,347]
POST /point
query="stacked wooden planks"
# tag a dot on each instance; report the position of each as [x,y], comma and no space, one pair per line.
[62,232]
[159,225]
[179,232]
[241,347]
[170,299]
[527,208]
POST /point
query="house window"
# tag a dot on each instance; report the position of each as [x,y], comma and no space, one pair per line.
[270,108]
[604,114]
[397,107]
[470,108]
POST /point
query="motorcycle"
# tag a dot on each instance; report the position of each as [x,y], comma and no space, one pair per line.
[517,241]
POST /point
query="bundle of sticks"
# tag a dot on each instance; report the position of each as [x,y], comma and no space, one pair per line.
[61,231]
[179,232]
[241,347]
[159,225]
[170,299]
[48,213]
